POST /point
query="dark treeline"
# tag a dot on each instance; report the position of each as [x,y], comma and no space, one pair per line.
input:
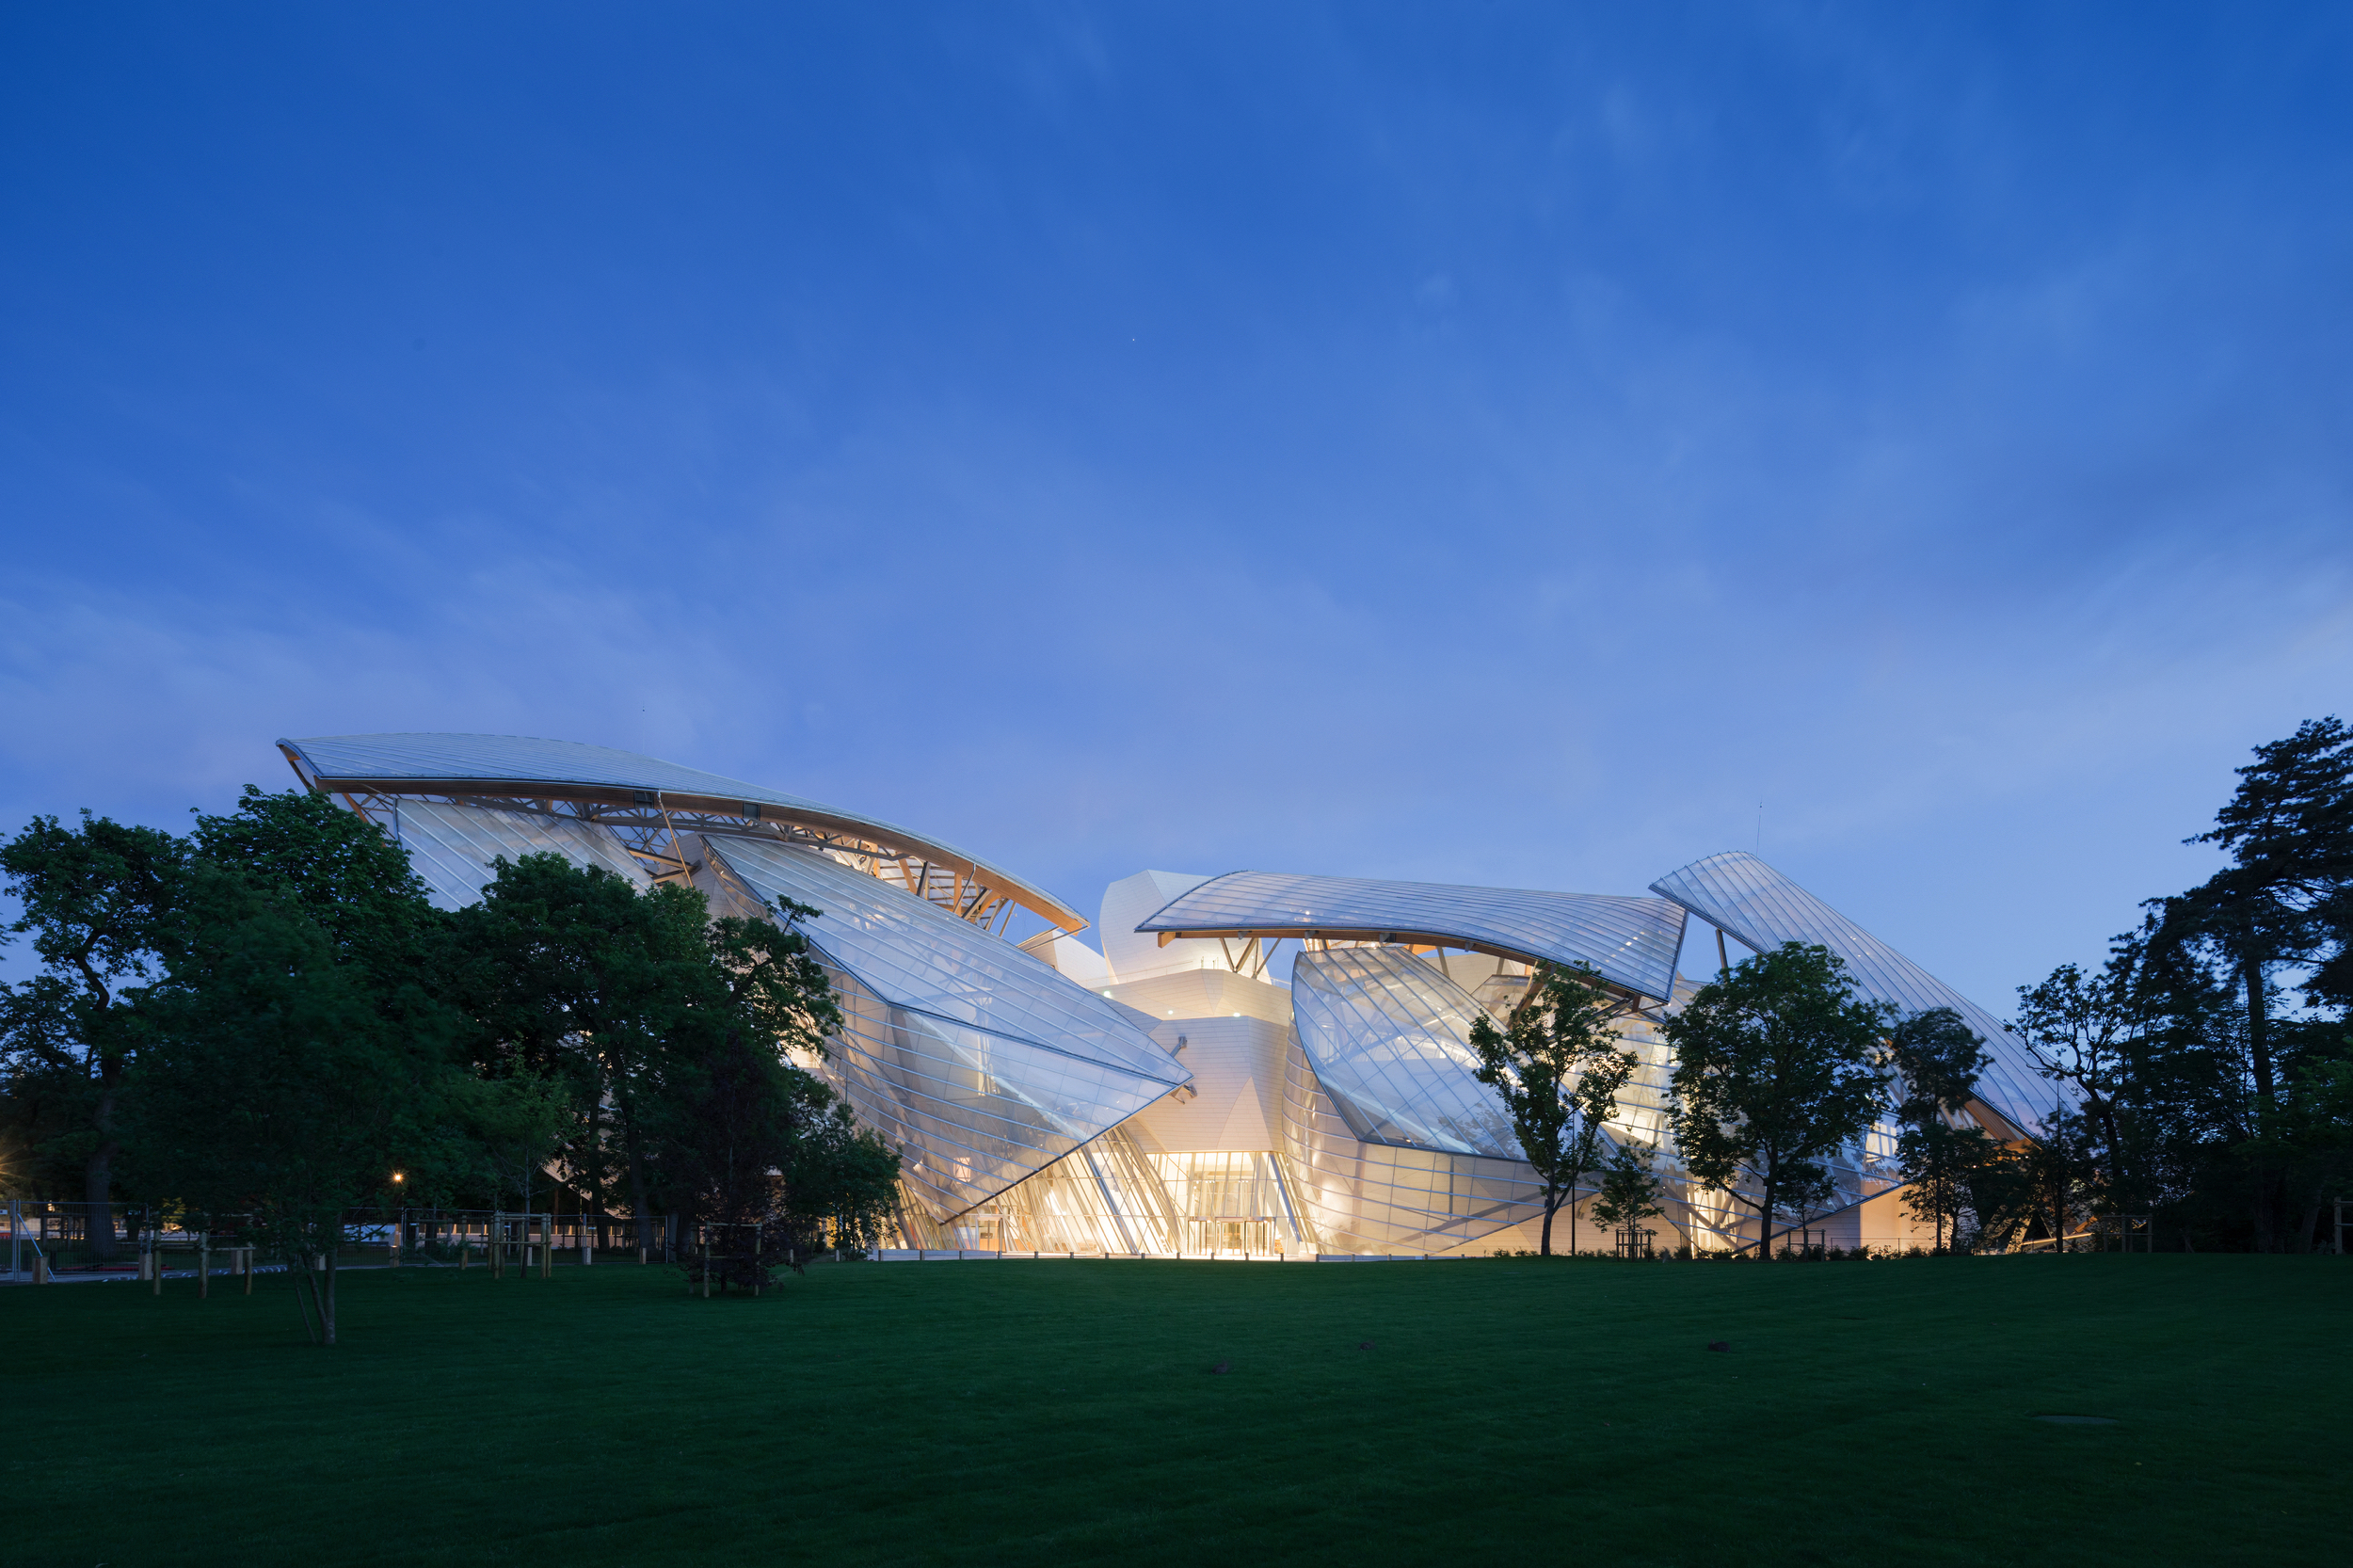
[258,1024]
[2213,1051]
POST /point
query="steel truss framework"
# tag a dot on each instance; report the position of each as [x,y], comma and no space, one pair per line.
[662,840]
[656,824]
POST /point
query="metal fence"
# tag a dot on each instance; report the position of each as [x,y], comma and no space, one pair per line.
[63,1243]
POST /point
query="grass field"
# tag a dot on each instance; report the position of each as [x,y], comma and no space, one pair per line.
[1051,1413]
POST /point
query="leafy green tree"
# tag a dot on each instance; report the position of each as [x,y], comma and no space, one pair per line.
[767,1154]
[2282,907]
[2311,1134]
[1775,1071]
[302,1048]
[763,1146]
[843,1183]
[1629,1189]
[2060,1173]
[98,902]
[2003,1196]
[2086,1029]
[1940,1161]
[571,975]
[2184,1099]
[775,985]
[670,1033]
[2288,829]
[1558,1066]
[1937,1059]
[275,1095]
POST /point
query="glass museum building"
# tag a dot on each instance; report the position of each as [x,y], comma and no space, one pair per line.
[1169,1093]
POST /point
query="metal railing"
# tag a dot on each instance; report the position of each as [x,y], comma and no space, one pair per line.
[57,1242]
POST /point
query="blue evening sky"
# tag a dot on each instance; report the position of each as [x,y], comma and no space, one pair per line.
[1471,443]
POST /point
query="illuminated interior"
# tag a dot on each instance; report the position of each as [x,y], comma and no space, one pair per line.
[1252,1066]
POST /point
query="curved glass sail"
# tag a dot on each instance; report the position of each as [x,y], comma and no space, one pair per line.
[527,767]
[1630,942]
[1390,1039]
[1742,895]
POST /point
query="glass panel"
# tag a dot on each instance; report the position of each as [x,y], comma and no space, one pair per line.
[920,959]
[1629,941]
[979,1062]
[1390,1039]
[452,846]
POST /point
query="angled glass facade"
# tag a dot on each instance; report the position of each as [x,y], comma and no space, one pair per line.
[979,1062]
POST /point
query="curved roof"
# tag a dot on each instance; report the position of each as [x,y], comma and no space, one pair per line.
[1749,898]
[516,764]
[1630,942]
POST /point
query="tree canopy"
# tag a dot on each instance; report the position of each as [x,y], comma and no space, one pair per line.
[100,903]
[258,1024]
[1776,1069]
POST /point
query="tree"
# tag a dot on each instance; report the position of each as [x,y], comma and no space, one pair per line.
[768,1156]
[1774,1072]
[844,1183]
[1629,1190]
[763,1148]
[2288,829]
[2001,1195]
[2283,905]
[300,1052]
[569,973]
[2312,1133]
[1937,1059]
[1557,1066]
[2059,1172]
[276,1096]
[671,1034]
[98,901]
[735,1136]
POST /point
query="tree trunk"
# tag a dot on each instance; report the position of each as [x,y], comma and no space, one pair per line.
[2258,1024]
[1544,1244]
[2058,1198]
[2266,1238]
[326,1298]
[1765,1226]
[2105,1112]
[2304,1232]
[98,1208]
[637,1192]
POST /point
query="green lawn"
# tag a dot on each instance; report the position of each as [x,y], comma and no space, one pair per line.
[1508,1411]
